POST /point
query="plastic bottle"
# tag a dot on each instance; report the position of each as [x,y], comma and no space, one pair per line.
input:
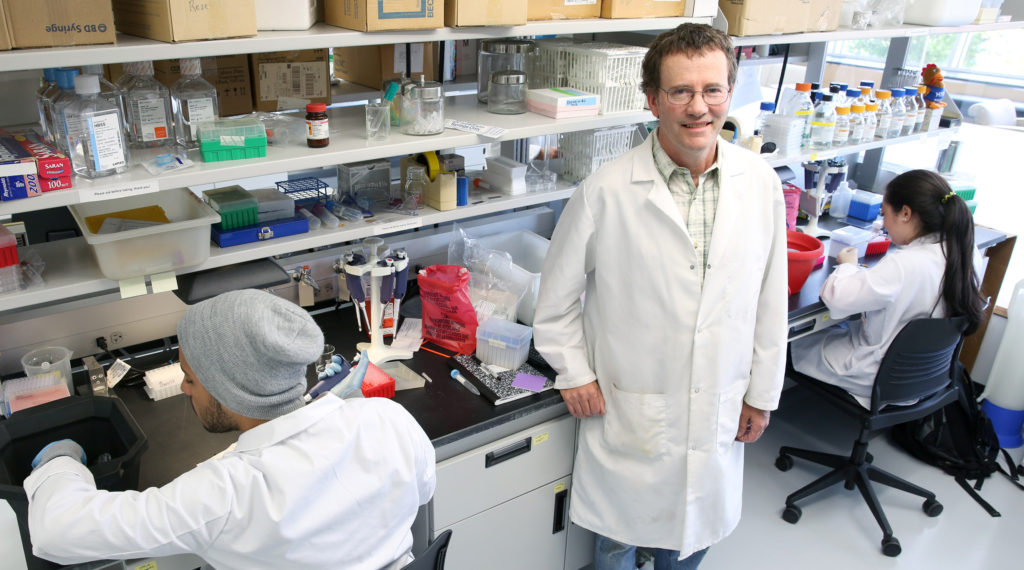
[109,91]
[841,135]
[884,113]
[870,122]
[852,95]
[870,86]
[149,109]
[910,102]
[823,124]
[899,113]
[767,109]
[841,198]
[194,100]
[856,123]
[921,108]
[48,89]
[802,107]
[95,138]
[838,95]
[130,71]
[416,184]
[66,82]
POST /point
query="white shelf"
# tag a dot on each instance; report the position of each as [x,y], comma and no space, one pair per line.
[71,270]
[940,134]
[133,48]
[908,30]
[347,146]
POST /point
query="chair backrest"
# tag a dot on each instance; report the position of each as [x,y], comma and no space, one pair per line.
[433,557]
[919,362]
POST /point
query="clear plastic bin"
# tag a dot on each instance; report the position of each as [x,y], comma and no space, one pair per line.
[610,70]
[528,251]
[503,343]
[583,152]
[183,242]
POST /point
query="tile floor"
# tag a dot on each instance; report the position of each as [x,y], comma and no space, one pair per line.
[837,530]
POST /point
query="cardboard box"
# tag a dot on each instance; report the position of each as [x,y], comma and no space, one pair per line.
[702,8]
[228,73]
[5,38]
[372,65]
[762,17]
[459,13]
[378,15]
[52,166]
[285,14]
[18,176]
[562,9]
[642,8]
[184,20]
[290,79]
[48,23]
[823,15]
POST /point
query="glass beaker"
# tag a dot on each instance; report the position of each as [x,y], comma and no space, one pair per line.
[49,361]
[498,55]
[378,120]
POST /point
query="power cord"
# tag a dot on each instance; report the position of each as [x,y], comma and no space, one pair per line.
[135,375]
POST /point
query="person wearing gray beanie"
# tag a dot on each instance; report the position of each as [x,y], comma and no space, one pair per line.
[332,484]
[250,349]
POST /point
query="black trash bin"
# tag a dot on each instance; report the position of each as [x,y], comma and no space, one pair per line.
[112,440]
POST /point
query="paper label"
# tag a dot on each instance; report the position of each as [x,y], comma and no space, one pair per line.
[559,487]
[86,194]
[580,2]
[415,54]
[540,438]
[475,128]
[151,119]
[411,222]
[105,142]
[199,110]
[299,79]
[317,130]
[116,372]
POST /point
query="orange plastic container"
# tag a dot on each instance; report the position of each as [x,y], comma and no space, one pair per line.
[803,252]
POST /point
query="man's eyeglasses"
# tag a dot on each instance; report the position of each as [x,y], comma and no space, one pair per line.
[683,95]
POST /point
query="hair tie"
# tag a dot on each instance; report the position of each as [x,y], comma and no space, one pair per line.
[947,197]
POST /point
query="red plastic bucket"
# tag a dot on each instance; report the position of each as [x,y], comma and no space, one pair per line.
[803,252]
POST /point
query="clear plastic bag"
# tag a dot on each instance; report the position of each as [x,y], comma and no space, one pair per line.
[887,12]
[496,285]
[283,128]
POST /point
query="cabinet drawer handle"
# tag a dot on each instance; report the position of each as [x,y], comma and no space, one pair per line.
[508,452]
[560,503]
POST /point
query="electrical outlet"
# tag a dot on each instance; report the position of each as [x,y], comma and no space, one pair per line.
[115,338]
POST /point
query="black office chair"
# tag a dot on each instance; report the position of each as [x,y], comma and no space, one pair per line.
[920,364]
[433,557]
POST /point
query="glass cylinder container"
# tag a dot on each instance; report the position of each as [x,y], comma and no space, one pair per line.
[498,55]
[506,92]
[423,108]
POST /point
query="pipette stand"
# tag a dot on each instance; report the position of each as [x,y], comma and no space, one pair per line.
[816,198]
[378,352]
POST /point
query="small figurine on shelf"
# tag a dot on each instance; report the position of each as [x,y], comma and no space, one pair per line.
[932,76]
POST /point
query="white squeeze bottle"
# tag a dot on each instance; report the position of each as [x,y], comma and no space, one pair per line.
[194,100]
[95,139]
[149,110]
[840,207]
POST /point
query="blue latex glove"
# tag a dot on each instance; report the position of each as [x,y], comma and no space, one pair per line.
[56,449]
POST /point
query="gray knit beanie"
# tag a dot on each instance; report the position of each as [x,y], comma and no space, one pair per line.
[250,350]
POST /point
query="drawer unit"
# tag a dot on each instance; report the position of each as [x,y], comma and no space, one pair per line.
[491,474]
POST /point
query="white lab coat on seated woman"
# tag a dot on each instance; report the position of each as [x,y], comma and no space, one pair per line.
[674,360]
[904,285]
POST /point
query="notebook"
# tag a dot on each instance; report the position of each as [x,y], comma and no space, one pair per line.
[498,389]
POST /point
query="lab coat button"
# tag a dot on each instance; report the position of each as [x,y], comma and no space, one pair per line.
[693,267]
[696,390]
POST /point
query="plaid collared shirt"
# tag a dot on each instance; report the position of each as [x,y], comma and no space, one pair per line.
[697,203]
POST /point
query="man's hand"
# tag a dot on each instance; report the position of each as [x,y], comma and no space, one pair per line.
[752,423]
[585,401]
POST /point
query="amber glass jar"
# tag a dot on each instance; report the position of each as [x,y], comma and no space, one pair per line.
[317,133]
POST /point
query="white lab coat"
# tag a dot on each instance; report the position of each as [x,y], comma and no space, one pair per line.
[903,286]
[674,362]
[335,484]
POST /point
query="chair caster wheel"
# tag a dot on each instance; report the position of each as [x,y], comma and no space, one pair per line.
[932,508]
[869,458]
[783,463]
[792,514]
[891,546]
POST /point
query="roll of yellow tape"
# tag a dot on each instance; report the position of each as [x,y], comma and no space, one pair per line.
[432,163]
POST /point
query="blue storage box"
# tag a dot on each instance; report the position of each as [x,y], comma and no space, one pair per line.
[865,205]
[260,232]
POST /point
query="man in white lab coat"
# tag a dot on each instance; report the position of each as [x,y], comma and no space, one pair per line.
[676,354]
[334,484]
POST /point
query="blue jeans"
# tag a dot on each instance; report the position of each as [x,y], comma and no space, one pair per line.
[613,555]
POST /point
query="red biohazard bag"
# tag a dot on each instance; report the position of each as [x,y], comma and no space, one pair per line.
[448,316]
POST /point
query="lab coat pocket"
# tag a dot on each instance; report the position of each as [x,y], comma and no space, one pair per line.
[635,424]
[730,404]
